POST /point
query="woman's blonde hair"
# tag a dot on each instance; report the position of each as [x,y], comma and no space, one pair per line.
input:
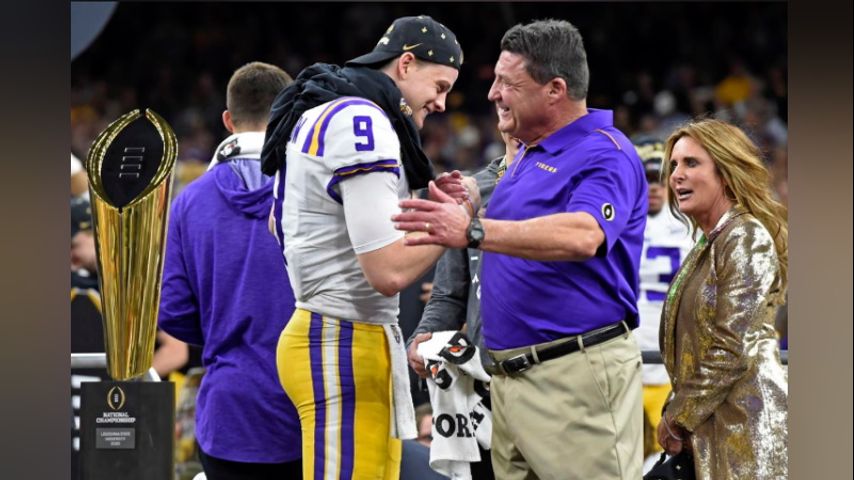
[748,183]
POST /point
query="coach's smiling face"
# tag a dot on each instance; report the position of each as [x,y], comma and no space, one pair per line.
[424,85]
[519,100]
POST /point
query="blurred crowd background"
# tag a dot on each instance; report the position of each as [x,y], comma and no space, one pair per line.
[655,64]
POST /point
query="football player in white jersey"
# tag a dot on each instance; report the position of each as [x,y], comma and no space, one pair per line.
[666,242]
[343,143]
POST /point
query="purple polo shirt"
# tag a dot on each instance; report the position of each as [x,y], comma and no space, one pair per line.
[586,166]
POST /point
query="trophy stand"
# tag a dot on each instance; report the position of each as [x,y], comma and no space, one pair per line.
[132,421]
[127,424]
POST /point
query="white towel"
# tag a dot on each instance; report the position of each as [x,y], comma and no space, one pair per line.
[402,411]
[246,145]
[460,420]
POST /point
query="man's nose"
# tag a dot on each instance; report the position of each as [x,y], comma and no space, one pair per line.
[440,102]
[492,95]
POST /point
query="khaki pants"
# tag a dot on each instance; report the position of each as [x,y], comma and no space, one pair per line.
[579,416]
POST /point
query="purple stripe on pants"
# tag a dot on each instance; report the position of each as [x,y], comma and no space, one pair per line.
[348,399]
[315,345]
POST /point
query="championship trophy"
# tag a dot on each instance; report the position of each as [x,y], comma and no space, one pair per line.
[126,425]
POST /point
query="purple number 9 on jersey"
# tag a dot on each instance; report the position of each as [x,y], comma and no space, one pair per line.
[363,127]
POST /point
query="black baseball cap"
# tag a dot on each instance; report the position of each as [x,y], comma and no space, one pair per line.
[426,38]
[81,215]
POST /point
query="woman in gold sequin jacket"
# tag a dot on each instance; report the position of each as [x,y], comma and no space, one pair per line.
[729,403]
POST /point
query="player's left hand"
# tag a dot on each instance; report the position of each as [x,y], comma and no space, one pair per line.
[443,221]
[461,188]
[452,184]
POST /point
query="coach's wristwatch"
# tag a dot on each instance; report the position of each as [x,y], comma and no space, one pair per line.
[474,233]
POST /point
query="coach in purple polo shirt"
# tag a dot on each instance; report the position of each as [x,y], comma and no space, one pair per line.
[562,236]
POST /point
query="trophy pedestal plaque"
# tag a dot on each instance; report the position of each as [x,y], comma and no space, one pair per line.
[127,430]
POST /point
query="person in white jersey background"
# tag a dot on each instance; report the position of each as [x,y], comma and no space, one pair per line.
[666,242]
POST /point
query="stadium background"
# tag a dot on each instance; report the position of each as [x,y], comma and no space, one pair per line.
[654,64]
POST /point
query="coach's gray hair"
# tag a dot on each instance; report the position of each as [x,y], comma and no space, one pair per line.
[552,48]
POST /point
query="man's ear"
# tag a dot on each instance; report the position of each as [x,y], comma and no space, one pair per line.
[227,122]
[557,88]
[405,64]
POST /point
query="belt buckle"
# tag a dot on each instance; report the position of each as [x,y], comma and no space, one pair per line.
[517,364]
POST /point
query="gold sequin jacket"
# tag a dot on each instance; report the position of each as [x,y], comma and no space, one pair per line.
[720,349]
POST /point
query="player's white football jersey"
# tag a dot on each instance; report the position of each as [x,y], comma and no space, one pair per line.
[330,144]
[666,243]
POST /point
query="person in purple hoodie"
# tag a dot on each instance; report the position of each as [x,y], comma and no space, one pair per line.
[233,303]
